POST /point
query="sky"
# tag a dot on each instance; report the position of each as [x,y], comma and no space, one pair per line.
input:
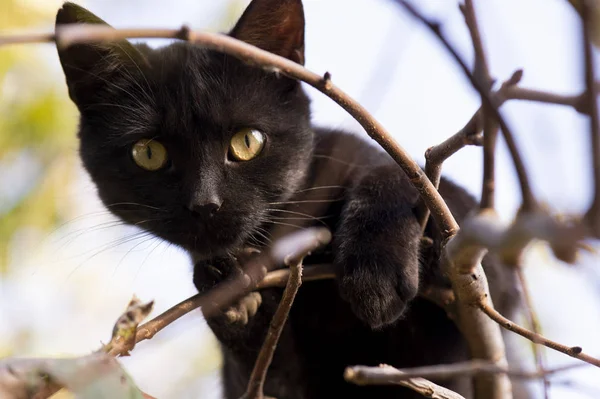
[400,73]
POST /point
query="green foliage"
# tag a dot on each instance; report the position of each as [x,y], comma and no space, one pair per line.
[37,123]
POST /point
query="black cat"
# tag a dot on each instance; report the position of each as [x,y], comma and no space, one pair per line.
[213,155]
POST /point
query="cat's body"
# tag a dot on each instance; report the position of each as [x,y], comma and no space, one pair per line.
[214,155]
[323,334]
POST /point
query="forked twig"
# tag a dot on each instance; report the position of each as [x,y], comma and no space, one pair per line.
[573,351]
[529,201]
[225,294]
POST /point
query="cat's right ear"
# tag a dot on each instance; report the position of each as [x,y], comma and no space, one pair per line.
[274,25]
[90,67]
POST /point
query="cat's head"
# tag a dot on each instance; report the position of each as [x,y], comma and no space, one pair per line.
[190,144]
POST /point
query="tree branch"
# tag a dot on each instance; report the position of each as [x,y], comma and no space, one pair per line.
[573,351]
[386,374]
[265,356]
[593,215]
[383,375]
[534,323]
[470,134]
[526,193]
[481,74]
[293,246]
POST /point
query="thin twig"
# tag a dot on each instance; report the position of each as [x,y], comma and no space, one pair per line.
[481,75]
[521,93]
[361,375]
[225,294]
[593,214]
[385,373]
[529,201]
[279,278]
[470,134]
[265,356]
[573,351]
[534,323]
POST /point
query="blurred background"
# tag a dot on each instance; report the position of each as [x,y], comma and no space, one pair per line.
[68,268]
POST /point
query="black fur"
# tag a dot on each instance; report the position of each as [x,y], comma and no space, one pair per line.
[192,101]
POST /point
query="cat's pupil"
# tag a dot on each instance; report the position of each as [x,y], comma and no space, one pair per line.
[149,152]
[247,140]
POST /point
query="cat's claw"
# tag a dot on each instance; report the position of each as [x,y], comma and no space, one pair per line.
[246,308]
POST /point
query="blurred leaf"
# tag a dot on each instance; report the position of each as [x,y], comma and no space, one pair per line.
[89,377]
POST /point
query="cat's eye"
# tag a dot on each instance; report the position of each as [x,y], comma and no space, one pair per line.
[149,154]
[246,144]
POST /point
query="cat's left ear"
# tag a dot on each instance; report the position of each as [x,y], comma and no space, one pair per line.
[90,67]
[274,25]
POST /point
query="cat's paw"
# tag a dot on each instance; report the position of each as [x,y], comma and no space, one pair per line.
[377,299]
[208,274]
[244,309]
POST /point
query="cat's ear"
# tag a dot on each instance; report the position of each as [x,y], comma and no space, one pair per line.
[274,25]
[89,67]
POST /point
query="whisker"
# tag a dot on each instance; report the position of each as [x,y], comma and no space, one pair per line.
[306,201]
[284,224]
[305,215]
[339,160]
[319,188]
[135,204]
[112,244]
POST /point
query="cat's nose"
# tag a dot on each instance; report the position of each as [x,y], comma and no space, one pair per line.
[208,208]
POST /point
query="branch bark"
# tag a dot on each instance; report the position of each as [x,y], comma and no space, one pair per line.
[529,202]
[573,351]
[593,214]
[265,356]
[481,74]
[384,375]
[293,246]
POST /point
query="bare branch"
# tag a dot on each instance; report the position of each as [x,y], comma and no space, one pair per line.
[27,37]
[383,375]
[481,74]
[534,323]
[593,214]
[528,198]
[293,246]
[521,93]
[265,356]
[485,231]
[279,278]
[573,351]
[470,134]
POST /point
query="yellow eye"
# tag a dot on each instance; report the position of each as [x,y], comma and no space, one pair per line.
[149,154]
[246,144]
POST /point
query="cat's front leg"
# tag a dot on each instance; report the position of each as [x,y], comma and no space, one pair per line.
[208,274]
[242,325]
[377,247]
